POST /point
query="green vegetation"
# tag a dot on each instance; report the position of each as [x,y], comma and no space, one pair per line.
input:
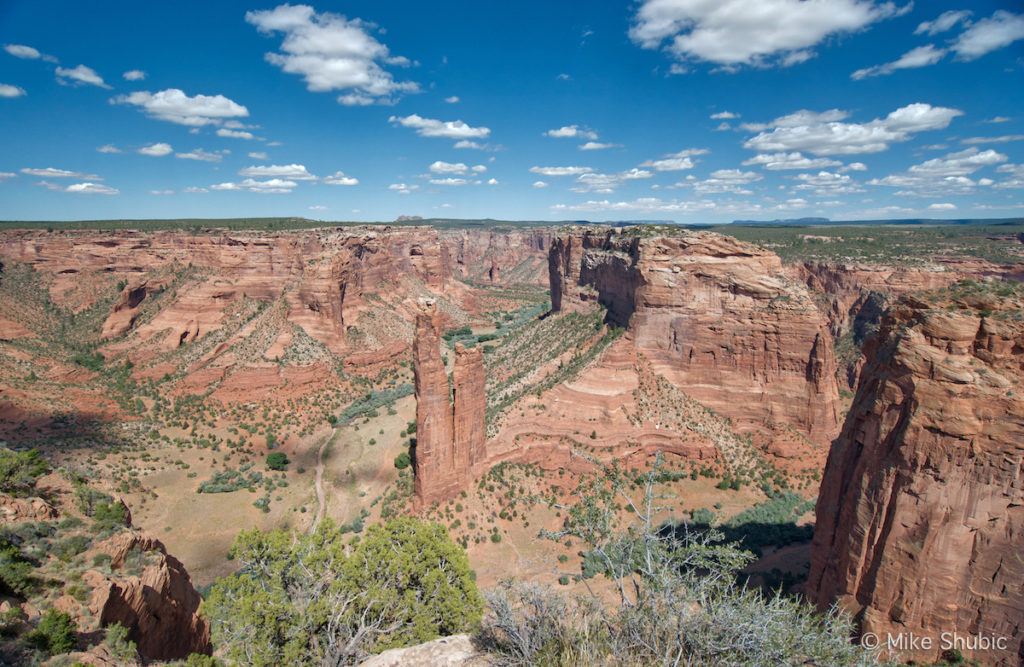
[120,646]
[679,600]
[403,461]
[277,461]
[305,600]
[20,470]
[913,244]
[55,633]
[371,402]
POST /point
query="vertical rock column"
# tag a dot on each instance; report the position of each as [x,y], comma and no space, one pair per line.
[435,456]
[449,439]
[470,409]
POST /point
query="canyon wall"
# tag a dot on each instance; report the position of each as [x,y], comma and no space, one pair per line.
[920,518]
[717,317]
[498,257]
[321,274]
[449,438]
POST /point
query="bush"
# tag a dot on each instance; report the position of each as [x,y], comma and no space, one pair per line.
[16,572]
[20,470]
[300,599]
[679,599]
[403,461]
[200,660]
[277,461]
[110,514]
[122,648]
[55,633]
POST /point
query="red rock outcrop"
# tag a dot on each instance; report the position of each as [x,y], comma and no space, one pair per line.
[126,309]
[853,296]
[497,256]
[322,274]
[717,317]
[920,518]
[449,438]
[470,407]
[14,510]
[160,607]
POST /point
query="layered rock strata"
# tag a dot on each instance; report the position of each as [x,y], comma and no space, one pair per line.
[717,317]
[920,519]
[321,274]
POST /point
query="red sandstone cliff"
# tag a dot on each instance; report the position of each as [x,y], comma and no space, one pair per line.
[449,439]
[470,407]
[920,519]
[498,257]
[322,274]
[717,317]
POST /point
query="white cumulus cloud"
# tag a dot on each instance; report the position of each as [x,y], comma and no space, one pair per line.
[134,75]
[174,106]
[51,172]
[676,161]
[7,90]
[156,150]
[826,134]
[560,171]
[332,52]
[80,75]
[339,178]
[921,56]
[451,129]
[91,189]
[294,172]
[999,30]
[750,32]
[571,131]
[796,160]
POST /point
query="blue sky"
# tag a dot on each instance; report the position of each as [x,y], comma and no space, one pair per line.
[686,110]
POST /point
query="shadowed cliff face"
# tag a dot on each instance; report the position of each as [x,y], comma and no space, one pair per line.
[920,519]
[716,316]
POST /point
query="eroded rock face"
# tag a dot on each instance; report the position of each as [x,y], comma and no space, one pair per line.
[449,438]
[321,274]
[716,316]
[470,407]
[498,257]
[14,510]
[920,519]
[160,607]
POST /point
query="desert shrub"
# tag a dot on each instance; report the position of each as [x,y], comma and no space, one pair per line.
[91,360]
[300,599]
[121,647]
[55,633]
[403,461]
[679,601]
[277,461]
[70,547]
[109,514]
[201,660]
[16,571]
[20,470]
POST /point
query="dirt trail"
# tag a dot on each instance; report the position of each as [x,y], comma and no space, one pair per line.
[321,501]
